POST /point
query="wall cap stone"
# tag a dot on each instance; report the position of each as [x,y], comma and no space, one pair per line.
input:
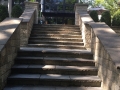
[78,4]
[85,17]
[27,14]
[7,28]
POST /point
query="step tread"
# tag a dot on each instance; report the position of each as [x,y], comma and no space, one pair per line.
[54,77]
[57,45]
[55,38]
[37,87]
[55,67]
[56,59]
[63,30]
[66,41]
[79,51]
[55,34]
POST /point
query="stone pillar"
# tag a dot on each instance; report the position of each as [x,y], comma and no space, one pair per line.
[33,5]
[9,7]
[79,8]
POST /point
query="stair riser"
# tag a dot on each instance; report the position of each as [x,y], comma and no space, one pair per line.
[52,71]
[54,62]
[62,47]
[55,54]
[52,82]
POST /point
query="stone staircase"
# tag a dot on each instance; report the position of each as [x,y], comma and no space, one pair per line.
[55,59]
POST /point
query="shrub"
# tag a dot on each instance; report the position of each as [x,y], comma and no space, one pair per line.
[32,0]
[106,17]
[3,12]
[94,16]
[116,18]
[16,11]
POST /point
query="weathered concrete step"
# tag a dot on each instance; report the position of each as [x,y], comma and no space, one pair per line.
[57,46]
[58,26]
[54,25]
[54,61]
[54,80]
[54,42]
[56,35]
[44,32]
[38,87]
[54,38]
[54,69]
[57,29]
[45,52]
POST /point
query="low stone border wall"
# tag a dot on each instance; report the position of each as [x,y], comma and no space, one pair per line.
[14,33]
[105,46]
[28,17]
[9,44]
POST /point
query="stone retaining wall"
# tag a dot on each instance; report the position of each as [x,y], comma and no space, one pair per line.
[9,44]
[105,46]
[28,17]
[13,34]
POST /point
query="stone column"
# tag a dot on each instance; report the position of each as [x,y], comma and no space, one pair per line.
[9,7]
[33,5]
[79,8]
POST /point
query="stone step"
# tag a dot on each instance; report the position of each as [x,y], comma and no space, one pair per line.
[54,80]
[54,25]
[54,42]
[54,69]
[45,52]
[57,46]
[55,32]
[56,39]
[56,35]
[57,29]
[54,61]
[38,87]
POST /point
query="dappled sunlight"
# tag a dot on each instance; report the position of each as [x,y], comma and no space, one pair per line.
[87,19]
[9,24]
[7,28]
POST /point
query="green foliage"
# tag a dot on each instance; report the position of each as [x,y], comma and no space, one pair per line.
[94,16]
[106,17]
[111,5]
[70,1]
[97,3]
[116,18]
[32,0]
[3,12]
[16,11]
